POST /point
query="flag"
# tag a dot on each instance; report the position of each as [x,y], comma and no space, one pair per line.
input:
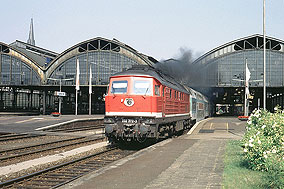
[77,76]
[247,92]
[90,81]
[247,81]
[247,73]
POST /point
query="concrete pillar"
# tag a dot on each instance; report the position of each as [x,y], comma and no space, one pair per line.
[44,102]
[31,100]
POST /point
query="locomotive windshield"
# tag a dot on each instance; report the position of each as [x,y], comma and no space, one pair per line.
[119,87]
[142,87]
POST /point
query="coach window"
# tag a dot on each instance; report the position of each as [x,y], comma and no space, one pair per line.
[194,105]
[170,93]
[157,90]
[163,91]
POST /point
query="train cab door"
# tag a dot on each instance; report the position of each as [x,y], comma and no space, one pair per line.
[163,101]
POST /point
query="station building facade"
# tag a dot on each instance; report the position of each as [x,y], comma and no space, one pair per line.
[29,75]
[223,70]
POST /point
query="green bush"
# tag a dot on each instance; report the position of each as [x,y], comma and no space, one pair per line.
[264,144]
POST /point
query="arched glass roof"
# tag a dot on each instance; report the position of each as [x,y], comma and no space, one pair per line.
[105,57]
[253,42]
[224,66]
[17,68]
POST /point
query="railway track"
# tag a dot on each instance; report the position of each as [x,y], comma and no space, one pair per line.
[59,175]
[13,153]
[4,133]
[75,129]
[14,136]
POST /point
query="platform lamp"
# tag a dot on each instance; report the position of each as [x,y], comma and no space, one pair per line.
[60,83]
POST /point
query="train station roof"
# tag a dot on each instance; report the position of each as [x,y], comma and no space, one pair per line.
[103,44]
[40,55]
[247,43]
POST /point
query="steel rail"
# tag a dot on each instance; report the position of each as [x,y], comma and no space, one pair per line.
[77,128]
[25,177]
[48,149]
[37,145]
[18,136]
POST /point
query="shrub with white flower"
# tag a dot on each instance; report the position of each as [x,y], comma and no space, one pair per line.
[264,140]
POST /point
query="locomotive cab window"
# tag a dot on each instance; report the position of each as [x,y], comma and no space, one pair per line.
[142,87]
[119,87]
[157,90]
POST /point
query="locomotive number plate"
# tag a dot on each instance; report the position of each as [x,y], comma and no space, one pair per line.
[129,121]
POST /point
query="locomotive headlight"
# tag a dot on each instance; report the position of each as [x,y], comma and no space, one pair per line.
[108,120]
[149,121]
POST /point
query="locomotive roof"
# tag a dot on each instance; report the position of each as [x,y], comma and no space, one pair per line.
[142,70]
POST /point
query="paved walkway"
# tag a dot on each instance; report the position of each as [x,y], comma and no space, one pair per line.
[21,124]
[189,161]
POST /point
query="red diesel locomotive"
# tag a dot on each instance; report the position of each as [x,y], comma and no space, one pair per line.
[143,103]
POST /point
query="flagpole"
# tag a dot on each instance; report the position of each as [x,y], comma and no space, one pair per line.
[77,85]
[76,110]
[246,89]
[90,91]
[264,59]
[90,104]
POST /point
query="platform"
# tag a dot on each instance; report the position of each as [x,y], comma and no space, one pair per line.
[194,160]
[24,124]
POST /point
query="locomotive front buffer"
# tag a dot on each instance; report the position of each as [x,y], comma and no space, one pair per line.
[129,128]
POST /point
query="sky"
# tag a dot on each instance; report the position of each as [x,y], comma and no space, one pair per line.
[158,28]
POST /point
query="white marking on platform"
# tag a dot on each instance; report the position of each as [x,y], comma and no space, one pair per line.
[32,119]
[24,121]
[70,121]
[211,126]
[237,123]
[57,124]
[196,124]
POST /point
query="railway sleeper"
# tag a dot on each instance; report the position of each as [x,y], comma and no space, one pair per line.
[59,176]
[44,180]
[34,184]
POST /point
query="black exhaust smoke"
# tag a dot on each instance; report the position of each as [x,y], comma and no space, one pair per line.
[183,69]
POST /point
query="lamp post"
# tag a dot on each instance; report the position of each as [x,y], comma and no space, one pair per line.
[60,82]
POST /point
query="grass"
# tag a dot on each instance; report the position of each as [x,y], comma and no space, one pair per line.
[236,172]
